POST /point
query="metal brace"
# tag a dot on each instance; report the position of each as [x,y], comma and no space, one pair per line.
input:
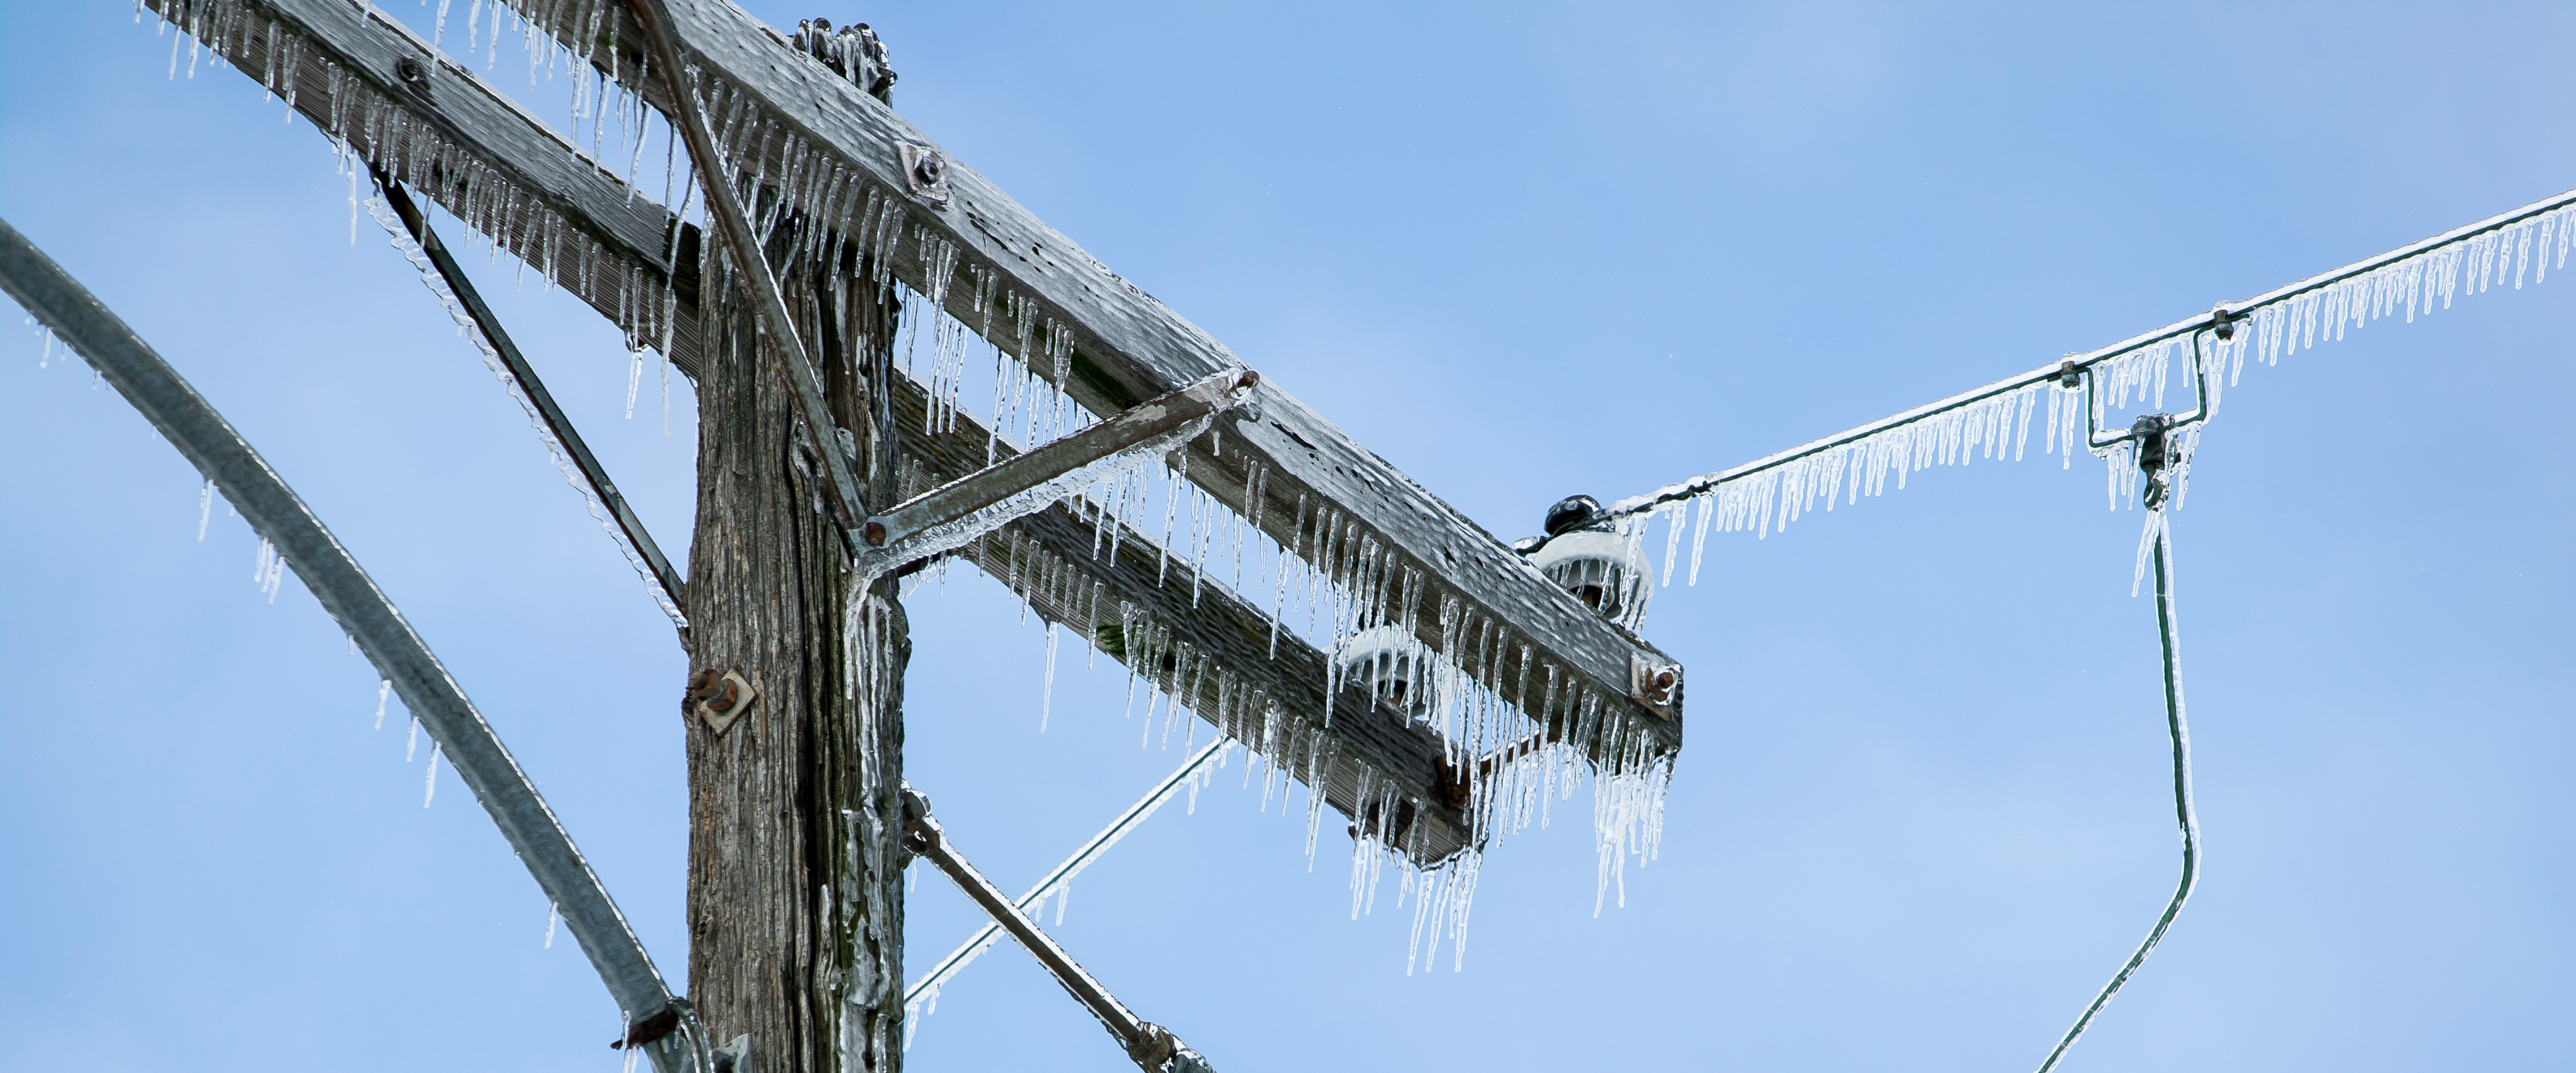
[956,513]
[1152,1047]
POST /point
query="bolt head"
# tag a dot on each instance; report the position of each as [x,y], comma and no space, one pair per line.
[409,69]
[874,533]
[930,169]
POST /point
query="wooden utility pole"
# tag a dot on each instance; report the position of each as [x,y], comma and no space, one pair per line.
[793,711]
[795,862]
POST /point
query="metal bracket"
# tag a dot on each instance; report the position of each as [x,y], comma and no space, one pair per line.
[719,700]
[926,172]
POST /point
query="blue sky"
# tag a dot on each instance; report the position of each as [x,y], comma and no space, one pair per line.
[1521,251]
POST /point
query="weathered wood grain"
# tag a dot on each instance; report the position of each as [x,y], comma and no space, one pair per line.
[521,150]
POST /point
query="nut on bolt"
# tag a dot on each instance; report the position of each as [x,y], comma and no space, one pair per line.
[874,533]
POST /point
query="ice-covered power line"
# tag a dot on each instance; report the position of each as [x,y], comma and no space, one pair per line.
[1994,421]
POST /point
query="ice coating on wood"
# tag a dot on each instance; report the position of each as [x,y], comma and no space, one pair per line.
[354,111]
[1510,761]
[819,204]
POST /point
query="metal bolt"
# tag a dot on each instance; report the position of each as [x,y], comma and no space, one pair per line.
[410,70]
[930,169]
[875,534]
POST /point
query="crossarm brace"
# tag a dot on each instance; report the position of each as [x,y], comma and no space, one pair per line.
[1082,857]
[211,444]
[953,514]
[769,307]
[525,375]
[1153,1048]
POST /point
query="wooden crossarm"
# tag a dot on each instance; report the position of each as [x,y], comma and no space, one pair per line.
[1128,347]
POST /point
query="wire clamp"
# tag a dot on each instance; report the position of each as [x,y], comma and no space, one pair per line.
[2152,432]
[2223,322]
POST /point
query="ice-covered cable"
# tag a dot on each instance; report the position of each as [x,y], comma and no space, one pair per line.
[2160,529]
[1770,492]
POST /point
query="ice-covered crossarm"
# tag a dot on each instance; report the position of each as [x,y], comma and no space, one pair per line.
[1994,421]
[835,159]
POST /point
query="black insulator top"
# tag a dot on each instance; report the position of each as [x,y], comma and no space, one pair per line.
[1571,513]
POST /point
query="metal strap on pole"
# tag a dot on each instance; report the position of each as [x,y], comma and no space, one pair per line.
[344,589]
[1152,1047]
[631,527]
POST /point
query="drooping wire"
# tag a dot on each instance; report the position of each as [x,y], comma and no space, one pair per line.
[2161,527]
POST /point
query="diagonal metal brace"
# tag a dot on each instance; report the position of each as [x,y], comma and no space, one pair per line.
[769,306]
[952,515]
[1152,1047]
[639,542]
[1083,856]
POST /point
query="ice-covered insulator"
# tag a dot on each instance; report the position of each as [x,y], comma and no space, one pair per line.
[1601,568]
[1583,553]
[1391,665]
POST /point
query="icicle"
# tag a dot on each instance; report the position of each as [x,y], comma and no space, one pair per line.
[429,789]
[384,690]
[1046,699]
